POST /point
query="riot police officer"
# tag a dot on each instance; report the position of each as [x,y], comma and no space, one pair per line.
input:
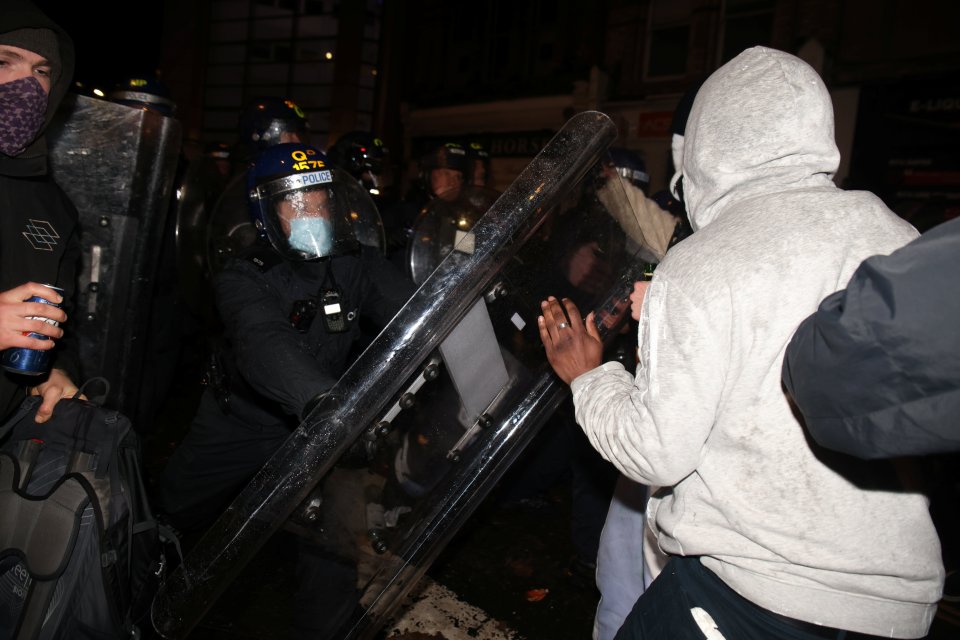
[291,307]
[443,171]
[478,164]
[265,122]
[366,158]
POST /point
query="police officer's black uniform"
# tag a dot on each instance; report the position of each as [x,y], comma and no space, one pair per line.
[281,355]
[291,309]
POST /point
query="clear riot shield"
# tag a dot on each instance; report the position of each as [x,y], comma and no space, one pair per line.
[194,192]
[405,446]
[118,165]
[229,228]
[441,225]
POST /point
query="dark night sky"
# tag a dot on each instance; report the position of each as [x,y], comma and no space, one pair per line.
[114,40]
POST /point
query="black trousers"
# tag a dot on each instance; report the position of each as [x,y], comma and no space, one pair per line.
[687,601]
[217,458]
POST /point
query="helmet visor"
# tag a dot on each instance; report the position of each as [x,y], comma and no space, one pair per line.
[307,223]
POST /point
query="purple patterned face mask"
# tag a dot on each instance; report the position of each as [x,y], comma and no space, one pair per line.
[23,104]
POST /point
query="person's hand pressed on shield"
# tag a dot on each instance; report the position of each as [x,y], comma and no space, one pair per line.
[573,347]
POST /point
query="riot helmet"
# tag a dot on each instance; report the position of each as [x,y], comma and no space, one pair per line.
[299,204]
[269,121]
[478,165]
[630,166]
[365,157]
[443,170]
[144,92]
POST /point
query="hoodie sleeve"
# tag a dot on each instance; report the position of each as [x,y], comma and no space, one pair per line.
[653,427]
[874,371]
[643,220]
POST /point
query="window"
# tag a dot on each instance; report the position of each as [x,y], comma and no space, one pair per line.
[669,39]
[746,23]
[227,53]
[272,29]
[283,48]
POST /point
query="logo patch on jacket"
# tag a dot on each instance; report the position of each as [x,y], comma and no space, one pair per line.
[41,235]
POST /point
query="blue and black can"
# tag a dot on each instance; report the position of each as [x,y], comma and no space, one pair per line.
[31,362]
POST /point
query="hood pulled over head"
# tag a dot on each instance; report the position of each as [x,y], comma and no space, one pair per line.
[29,28]
[762,123]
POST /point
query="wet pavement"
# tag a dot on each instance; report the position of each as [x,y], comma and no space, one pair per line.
[505,576]
[515,563]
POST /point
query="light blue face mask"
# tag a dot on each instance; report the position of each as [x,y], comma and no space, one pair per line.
[312,235]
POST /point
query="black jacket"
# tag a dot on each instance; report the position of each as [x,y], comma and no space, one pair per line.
[283,367]
[38,236]
[876,370]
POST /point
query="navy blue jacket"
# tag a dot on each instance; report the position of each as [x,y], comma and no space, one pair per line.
[876,370]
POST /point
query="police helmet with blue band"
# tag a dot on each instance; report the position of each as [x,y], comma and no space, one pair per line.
[301,206]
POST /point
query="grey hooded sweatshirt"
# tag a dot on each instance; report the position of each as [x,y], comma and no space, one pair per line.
[795,529]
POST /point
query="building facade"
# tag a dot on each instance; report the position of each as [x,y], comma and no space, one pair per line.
[509,73]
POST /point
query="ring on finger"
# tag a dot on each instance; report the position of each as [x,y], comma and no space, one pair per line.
[562,325]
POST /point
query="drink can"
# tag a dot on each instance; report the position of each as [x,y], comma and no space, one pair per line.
[31,362]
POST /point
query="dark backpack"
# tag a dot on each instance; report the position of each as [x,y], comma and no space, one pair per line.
[80,552]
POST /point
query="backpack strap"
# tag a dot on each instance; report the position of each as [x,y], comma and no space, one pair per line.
[27,452]
[95,399]
[28,406]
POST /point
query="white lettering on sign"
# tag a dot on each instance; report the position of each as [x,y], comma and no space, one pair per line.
[317,177]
